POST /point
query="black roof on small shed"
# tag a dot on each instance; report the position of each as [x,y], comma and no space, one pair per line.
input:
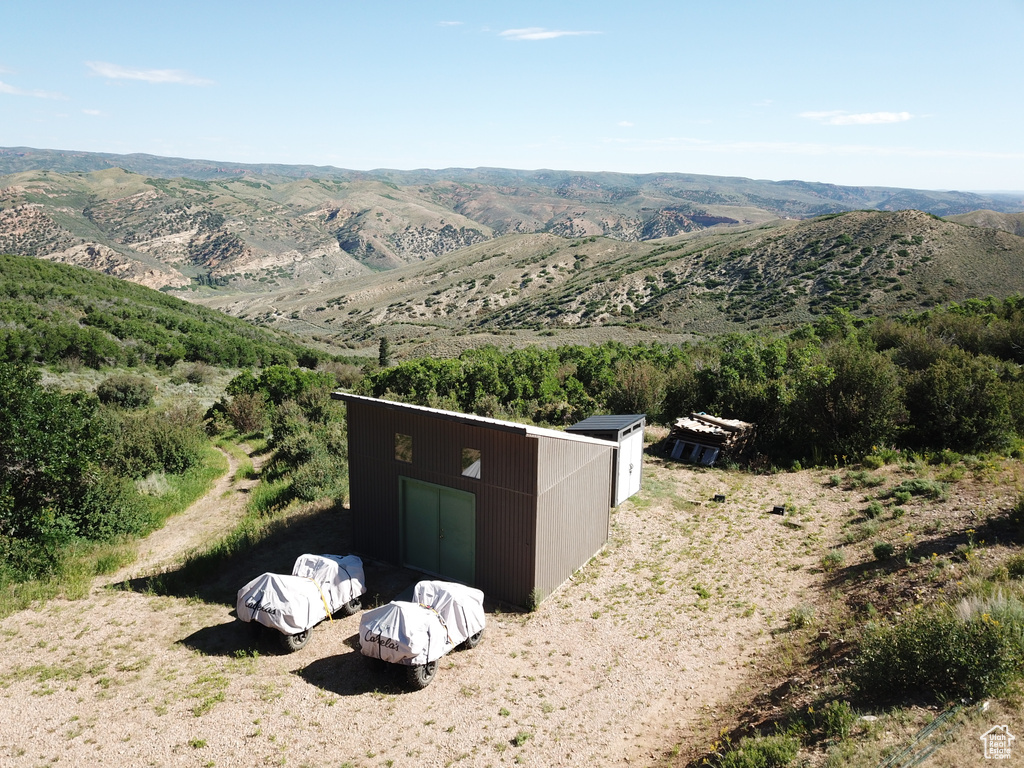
[607,423]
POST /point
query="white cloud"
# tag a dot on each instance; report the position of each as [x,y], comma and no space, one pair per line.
[94,112]
[539,33]
[839,117]
[12,90]
[449,23]
[117,72]
[624,124]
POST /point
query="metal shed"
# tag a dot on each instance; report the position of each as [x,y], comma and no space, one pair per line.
[509,508]
[627,432]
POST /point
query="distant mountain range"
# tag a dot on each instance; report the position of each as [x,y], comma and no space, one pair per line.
[319,249]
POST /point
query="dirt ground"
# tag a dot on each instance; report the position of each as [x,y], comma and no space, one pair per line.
[637,653]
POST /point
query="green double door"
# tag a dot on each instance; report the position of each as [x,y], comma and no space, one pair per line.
[438,529]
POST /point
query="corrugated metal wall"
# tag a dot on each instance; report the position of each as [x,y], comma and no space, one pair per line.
[573,507]
[505,493]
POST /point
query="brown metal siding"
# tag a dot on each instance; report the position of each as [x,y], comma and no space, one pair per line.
[505,493]
[573,508]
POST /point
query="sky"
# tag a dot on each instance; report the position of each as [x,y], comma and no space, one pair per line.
[902,93]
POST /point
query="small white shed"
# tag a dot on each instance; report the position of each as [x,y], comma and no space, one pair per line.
[627,431]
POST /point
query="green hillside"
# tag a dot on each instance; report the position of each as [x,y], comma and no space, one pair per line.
[52,312]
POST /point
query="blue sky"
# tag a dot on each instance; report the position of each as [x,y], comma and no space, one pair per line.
[897,93]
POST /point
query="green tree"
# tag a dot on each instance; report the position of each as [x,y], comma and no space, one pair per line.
[848,401]
[960,403]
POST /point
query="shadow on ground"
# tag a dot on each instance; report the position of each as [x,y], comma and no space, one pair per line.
[352,674]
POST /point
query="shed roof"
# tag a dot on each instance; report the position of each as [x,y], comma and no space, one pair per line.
[607,423]
[470,419]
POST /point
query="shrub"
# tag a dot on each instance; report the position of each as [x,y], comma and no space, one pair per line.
[126,391]
[943,654]
[837,719]
[248,412]
[931,489]
[319,477]
[851,401]
[762,752]
[833,560]
[199,373]
[801,615]
[110,508]
[1015,566]
[883,550]
[874,509]
[288,421]
[960,403]
[873,461]
[138,443]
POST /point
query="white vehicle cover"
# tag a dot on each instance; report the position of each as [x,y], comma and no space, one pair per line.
[461,608]
[290,604]
[403,633]
[340,578]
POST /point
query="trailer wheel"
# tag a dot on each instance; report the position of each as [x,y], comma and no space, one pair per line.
[473,640]
[420,675]
[352,606]
[292,643]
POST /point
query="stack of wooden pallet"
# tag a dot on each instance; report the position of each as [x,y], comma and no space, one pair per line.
[700,438]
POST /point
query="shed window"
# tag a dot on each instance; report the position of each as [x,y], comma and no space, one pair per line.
[403,447]
[471,462]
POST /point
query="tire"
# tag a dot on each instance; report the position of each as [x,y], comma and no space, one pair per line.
[353,606]
[292,643]
[420,675]
[473,640]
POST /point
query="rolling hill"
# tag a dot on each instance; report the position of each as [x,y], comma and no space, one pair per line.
[462,256]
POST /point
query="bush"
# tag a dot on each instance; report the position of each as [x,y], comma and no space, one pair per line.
[960,403]
[762,752]
[1015,566]
[248,412]
[288,421]
[126,391]
[110,508]
[883,550]
[136,444]
[874,509]
[850,401]
[801,616]
[322,476]
[931,489]
[942,654]
[833,560]
[873,461]
[199,373]
[837,719]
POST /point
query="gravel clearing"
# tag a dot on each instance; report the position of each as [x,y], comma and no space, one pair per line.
[632,656]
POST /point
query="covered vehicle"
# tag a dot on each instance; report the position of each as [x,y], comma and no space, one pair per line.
[318,587]
[442,616]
